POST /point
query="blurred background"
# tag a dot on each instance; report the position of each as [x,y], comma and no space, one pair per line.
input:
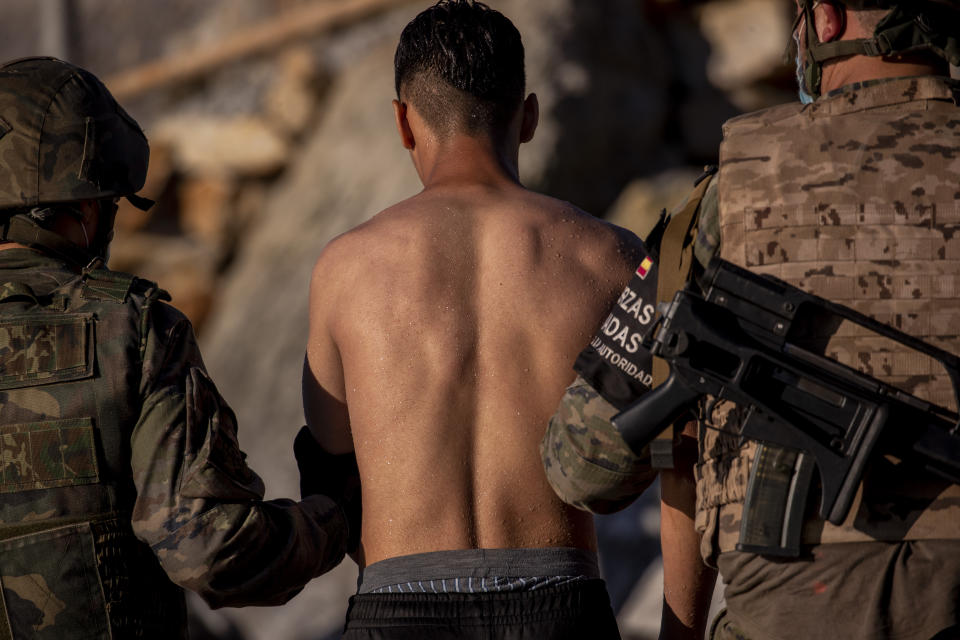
[271,132]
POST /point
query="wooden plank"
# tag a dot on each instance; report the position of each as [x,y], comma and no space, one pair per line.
[292,25]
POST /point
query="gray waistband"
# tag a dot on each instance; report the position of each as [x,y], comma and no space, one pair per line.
[480,563]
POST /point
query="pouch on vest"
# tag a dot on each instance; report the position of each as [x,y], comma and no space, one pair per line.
[39,344]
[37,348]
[51,590]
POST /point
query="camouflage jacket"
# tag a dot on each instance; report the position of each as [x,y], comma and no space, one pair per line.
[121,470]
[581,423]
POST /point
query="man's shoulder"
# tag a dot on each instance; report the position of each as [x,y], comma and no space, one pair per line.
[357,243]
[597,229]
[411,228]
[605,254]
[346,261]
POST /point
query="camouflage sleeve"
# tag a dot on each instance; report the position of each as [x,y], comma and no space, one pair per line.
[199,506]
[586,461]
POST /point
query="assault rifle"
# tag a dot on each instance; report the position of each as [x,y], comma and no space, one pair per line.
[747,339]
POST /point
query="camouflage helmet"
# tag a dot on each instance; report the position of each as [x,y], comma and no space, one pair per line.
[911,26]
[63,137]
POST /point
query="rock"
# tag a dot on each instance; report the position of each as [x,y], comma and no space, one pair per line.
[185,268]
[603,108]
[291,100]
[205,208]
[638,207]
[240,145]
[698,109]
[747,38]
[248,207]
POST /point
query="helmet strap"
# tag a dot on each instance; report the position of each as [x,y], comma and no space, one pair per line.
[813,63]
[906,28]
[24,230]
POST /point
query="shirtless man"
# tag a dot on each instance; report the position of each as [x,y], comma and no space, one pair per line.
[442,336]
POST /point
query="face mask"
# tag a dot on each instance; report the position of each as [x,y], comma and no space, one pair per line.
[805,97]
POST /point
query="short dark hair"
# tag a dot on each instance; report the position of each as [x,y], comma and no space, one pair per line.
[461,64]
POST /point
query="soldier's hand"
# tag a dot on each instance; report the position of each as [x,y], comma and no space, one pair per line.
[335,476]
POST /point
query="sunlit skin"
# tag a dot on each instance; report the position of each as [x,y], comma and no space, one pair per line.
[442,336]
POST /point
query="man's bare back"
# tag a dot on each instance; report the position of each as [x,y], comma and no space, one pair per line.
[442,336]
[456,316]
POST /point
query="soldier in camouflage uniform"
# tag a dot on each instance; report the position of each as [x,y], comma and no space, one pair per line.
[853,196]
[121,476]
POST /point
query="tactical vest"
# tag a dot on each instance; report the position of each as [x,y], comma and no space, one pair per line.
[70,371]
[855,198]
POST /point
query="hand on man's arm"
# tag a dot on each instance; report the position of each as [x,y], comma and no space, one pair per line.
[199,506]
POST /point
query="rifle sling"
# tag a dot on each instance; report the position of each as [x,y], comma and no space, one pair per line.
[676,256]
[673,269]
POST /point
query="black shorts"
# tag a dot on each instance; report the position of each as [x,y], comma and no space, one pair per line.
[570,611]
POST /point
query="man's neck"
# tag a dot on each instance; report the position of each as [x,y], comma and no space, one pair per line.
[468,160]
[863,68]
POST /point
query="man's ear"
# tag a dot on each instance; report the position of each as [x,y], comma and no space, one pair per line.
[531,118]
[403,125]
[831,21]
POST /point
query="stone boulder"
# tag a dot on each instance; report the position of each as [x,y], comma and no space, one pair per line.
[240,145]
[747,40]
[638,206]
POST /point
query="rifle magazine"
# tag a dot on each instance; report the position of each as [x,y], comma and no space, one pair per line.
[776,499]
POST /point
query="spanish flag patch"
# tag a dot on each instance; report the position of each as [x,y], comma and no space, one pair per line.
[644,267]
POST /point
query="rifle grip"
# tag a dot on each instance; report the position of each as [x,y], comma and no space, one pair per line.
[644,420]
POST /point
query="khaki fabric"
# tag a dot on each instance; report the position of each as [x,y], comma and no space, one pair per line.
[854,591]
[854,198]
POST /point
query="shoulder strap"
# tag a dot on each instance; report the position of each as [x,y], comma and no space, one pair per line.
[100,283]
[106,286]
[676,253]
